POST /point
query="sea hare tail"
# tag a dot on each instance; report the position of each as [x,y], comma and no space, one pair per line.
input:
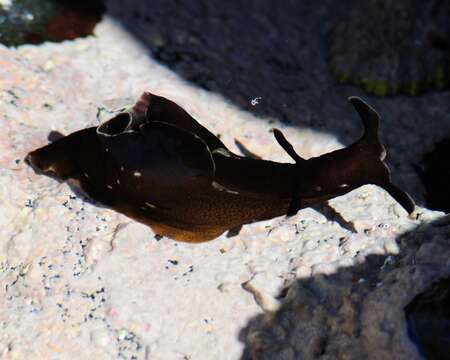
[369,118]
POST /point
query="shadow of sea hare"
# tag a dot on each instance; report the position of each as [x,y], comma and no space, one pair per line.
[392,47]
[35,21]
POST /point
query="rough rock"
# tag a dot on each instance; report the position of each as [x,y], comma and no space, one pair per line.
[359,311]
[78,280]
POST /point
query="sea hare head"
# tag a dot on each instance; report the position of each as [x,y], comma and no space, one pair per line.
[51,160]
[63,157]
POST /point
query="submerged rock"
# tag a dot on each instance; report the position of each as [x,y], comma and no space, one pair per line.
[36,21]
[392,47]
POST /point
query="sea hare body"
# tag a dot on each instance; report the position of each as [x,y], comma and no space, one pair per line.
[158,165]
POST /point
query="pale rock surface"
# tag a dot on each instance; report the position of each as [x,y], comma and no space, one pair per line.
[79,281]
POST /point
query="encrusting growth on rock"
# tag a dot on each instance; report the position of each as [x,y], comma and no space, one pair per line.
[158,165]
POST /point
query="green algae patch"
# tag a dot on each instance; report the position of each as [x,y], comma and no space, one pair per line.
[376,87]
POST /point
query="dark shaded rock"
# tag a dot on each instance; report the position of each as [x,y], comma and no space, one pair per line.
[428,318]
[358,312]
[36,21]
[436,176]
[392,47]
[243,50]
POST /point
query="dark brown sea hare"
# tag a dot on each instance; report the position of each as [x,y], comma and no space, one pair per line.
[392,47]
[158,165]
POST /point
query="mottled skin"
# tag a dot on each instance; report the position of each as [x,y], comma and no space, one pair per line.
[157,165]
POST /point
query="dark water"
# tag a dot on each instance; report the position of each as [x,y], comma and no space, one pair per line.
[436,176]
[428,317]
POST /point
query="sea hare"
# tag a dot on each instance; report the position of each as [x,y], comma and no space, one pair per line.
[158,165]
